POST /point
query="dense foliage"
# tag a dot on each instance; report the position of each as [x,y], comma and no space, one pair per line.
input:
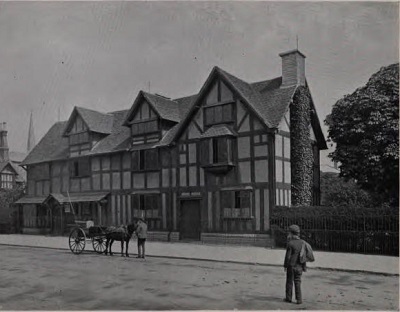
[364,125]
[301,153]
[7,197]
[339,192]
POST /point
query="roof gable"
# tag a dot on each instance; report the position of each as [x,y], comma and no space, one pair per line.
[316,125]
[93,120]
[165,108]
[7,167]
[265,99]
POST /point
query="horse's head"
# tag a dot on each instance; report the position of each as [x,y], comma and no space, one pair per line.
[131,228]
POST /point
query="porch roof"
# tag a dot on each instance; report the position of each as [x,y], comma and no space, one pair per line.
[30,200]
[78,197]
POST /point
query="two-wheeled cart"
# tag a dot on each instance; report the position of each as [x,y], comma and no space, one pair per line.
[85,232]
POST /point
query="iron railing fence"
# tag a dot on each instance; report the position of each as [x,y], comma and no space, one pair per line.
[361,233]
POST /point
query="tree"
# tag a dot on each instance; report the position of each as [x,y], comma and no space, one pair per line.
[301,153]
[337,192]
[364,126]
[7,197]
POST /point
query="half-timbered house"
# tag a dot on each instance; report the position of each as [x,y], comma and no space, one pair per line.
[207,167]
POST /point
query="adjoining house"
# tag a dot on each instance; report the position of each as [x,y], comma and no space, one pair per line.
[11,175]
[207,167]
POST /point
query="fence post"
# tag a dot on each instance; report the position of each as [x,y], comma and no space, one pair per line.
[364,235]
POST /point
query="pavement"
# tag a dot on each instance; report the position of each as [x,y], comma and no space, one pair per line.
[388,265]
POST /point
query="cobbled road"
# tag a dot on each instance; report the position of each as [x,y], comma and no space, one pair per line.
[49,279]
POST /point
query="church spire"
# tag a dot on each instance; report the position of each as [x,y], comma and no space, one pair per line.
[31,135]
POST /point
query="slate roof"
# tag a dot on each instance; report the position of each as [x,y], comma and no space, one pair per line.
[266,98]
[52,146]
[168,137]
[119,138]
[20,172]
[96,121]
[16,157]
[3,164]
[218,131]
[166,108]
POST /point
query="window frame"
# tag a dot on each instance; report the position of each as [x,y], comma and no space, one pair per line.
[141,163]
[146,203]
[138,123]
[76,168]
[237,209]
[213,156]
[7,183]
[223,120]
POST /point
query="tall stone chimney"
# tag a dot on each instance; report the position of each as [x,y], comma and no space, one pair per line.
[3,142]
[293,68]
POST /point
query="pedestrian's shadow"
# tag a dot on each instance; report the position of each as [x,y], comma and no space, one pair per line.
[269,298]
[291,306]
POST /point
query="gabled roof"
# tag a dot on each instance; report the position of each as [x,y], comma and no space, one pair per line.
[20,173]
[4,164]
[249,94]
[95,121]
[267,99]
[119,137]
[52,146]
[166,108]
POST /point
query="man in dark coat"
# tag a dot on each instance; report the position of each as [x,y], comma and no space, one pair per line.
[294,269]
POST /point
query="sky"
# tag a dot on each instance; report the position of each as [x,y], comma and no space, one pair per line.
[99,55]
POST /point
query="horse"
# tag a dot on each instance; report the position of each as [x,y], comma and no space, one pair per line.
[118,234]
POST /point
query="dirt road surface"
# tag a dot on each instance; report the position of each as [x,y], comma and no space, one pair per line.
[48,279]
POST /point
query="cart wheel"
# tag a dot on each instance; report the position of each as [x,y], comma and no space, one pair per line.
[77,240]
[99,244]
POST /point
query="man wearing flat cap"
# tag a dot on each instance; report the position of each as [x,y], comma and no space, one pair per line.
[292,265]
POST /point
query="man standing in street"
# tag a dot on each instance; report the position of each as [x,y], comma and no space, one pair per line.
[141,232]
[292,265]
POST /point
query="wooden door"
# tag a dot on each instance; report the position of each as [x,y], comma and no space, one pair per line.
[57,219]
[190,220]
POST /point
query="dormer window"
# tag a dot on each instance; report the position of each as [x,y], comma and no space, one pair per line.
[219,105]
[218,113]
[79,138]
[145,127]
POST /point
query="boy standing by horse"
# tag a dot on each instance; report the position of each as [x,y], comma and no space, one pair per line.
[141,232]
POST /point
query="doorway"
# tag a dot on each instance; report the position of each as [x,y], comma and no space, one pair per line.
[190,225]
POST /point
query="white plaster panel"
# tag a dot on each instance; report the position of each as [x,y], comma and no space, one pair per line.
[244,172]
[243,147]
[261,170]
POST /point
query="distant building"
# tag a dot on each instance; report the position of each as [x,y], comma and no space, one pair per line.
[207,167]
[11,174]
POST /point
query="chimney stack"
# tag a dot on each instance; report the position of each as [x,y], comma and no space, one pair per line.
[3,143]
[293,68]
